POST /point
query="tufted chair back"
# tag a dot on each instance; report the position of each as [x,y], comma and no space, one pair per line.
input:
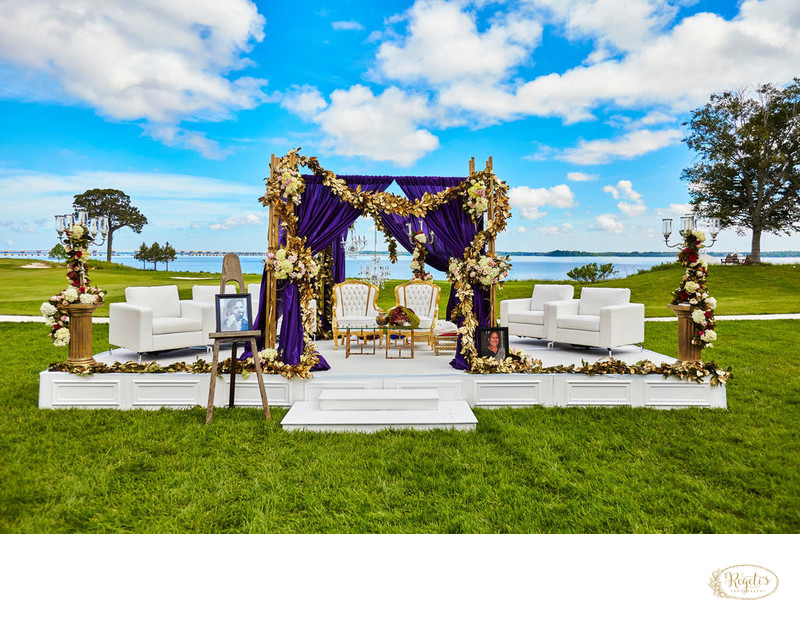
[355,298]
[420,296]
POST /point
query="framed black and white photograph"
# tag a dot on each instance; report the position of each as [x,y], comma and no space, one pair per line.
[234,312]
[492,342]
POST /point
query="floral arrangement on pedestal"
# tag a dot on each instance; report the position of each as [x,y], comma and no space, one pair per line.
[400,316]
[693,291]
[293,264]
[477,201]
[486,270]
[79,291]
[418,257]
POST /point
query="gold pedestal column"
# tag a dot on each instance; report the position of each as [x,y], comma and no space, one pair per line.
[687,352]
[80,333]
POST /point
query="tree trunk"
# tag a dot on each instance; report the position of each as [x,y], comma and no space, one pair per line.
[755,247]
[108,246]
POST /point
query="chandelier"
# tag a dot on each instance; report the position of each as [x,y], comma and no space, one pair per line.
[373,272]
[353,245]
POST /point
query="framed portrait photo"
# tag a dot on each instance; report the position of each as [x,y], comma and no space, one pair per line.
[492,342]
[234,312]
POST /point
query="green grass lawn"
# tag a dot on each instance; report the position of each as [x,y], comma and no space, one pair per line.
[766,289]
[523,470]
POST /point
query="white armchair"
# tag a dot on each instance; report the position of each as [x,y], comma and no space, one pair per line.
[422,297]
[601,317]
[354,305]
[525,316]
[154,319]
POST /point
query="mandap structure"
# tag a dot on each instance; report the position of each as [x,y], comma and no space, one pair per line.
[309,215]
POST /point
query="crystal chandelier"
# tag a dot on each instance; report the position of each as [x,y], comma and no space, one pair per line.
[353,245]
[373,272]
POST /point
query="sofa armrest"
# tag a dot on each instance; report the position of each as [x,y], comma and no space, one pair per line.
[621,324]
[512,306]
[206,313]
[130,326]
[555,310]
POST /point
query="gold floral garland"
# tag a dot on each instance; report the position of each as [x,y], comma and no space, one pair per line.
[691,372]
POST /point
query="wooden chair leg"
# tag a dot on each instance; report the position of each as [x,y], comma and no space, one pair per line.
[261,388]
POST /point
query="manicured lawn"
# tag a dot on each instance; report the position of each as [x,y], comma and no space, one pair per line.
[523,470]
[769,289]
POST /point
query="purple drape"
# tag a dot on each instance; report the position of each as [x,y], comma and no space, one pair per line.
[321,219]
[455,231]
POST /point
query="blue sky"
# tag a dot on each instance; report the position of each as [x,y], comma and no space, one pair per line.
[579,102]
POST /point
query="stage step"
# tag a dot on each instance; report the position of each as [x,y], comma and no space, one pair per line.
[452,414]
[379,399]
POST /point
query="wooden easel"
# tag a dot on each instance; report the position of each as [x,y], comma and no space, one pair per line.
[232,271]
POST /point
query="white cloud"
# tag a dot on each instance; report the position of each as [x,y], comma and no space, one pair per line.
[579,176]
[555,229]
[443,45]
[522,229]
[236,221]
[155,63]
[630,201]
[347,25]
[528,201]
[608,223]
[383,127]
[305,101]
[630,145]
[674,210]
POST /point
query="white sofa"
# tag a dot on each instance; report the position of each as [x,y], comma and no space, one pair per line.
[601,317]
[354,305]
[422,297]
[525,316]
[155,319]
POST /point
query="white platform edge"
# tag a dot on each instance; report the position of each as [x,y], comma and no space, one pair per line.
[123,391]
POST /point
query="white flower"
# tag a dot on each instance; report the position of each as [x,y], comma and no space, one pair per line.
[71,295]
[268,354]
[691,287]
[421,238]
[61,337]
[414,265]
[280,274]
[709,335]
[711,302]
[699,317]
[699,235]
[280,255]
[88,299]
[47,309]
[49,321]
[77,231]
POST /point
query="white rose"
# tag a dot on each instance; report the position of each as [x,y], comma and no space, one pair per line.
[691,287]
[268,354]
[61,337]
[88,299]
[49,321]
[77,231]
[280,255]
[280,274]
[47,309]
[709,335]
[414,265]
[699,235]
[699,317]
[711,302]
[71,294]
[421,238]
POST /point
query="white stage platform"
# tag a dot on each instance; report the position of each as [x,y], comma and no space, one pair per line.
[375,372]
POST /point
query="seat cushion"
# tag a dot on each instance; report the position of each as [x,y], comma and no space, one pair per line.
[175,325]
[593,298]
[584,322]
[547,293]
[162,299]
[356,321]
[526,318]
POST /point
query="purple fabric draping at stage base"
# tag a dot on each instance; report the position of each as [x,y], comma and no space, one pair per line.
[455,231]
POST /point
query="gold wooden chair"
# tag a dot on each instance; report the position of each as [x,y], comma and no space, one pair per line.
[355,304]
[423,298]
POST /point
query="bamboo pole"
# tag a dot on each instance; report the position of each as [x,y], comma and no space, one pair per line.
[269,299]
[490,218]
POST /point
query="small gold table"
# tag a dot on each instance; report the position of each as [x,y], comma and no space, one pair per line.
[363,336]
[399,339]
[444,342]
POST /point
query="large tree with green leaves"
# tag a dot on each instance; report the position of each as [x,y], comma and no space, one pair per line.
[747,173]
[113,205]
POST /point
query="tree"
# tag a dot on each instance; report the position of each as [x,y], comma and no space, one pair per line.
[58,252]
[115,206]
[143,254]
[591,273]
[154,254]
[748,172]
[168,254]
